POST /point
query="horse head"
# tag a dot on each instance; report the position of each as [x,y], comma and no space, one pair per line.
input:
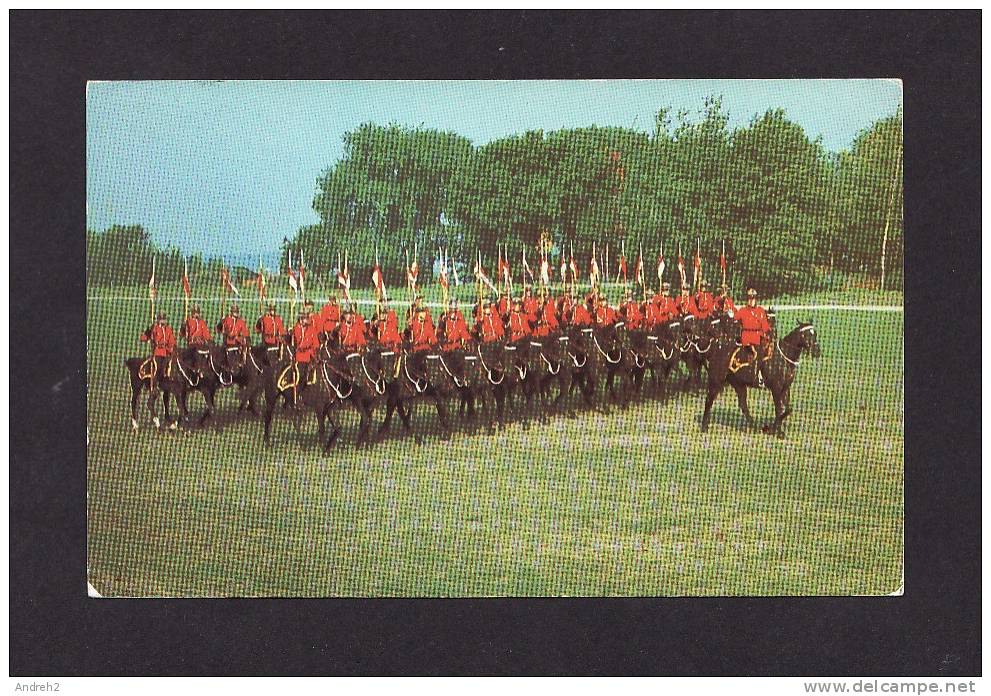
[807,338]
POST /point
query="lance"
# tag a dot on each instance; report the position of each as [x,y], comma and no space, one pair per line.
[642,273]
[152,289]
[722,262]
[185,295]
[295,292]
[302,276]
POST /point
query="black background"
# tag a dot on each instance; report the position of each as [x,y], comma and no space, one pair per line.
[933,629]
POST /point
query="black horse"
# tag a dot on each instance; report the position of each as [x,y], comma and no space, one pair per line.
[664,356]
[484,369]
[174,376]
[775,364]
[423,375]
[307,387]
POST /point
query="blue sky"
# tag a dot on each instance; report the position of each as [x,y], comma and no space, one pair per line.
[230,167]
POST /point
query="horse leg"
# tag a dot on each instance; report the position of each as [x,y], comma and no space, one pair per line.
[135,395]
[152,398]
[714,389]
[335,432]
[741,397]
[270,404]
[390,408]
[442,416]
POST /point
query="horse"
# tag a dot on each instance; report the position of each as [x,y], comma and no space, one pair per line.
[426,374]
[310,387]
[547,367]
[776,363]
[367,376]
[609,361]
[485,366]
[694,348]
[173,376]
[663,355]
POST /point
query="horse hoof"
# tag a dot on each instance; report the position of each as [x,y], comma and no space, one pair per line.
[174,426]
[134,425]
[157,422]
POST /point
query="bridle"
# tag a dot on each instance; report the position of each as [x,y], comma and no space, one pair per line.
[595,340]
[218,373]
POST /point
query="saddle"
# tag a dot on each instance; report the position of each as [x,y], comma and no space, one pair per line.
[747,356]
[149,369]
[289,377]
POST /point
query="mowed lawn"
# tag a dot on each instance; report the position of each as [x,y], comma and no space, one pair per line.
[634,502]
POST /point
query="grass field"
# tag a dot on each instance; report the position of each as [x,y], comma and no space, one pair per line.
[635,502]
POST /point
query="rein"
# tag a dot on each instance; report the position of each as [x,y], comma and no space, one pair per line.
[253,361]
[416,383]
[217,372]
[449,373]
[183,373]
[595,340]
[707,348]
[379,383]
[487,370]
[795,363]
[334,386]
[550,368]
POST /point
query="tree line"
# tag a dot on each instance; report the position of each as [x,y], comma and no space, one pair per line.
[793,216]
[790,212]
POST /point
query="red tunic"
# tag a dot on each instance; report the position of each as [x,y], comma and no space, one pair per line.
[388,331]
[234,330]
[195,331]
[753,321]
[704,305]
[725,304]
[684,305]
[604,314]
[162,340]
[329,317]
[422,334]
[519,326]
[566,306]
[352,332]
[548,319]
[580,316]
[531,307]
[634,317]
[455,331]
[491,328]
[503,306]
[306,341]
[271,328]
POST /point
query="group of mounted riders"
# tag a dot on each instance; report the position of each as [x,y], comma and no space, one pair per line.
[526,344]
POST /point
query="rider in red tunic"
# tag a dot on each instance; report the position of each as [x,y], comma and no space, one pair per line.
[387,329]
[163,343]
[195,329]
[631,312]
[564,306]
[753,320]
[233,329]
[161,337]
[580,315]
[703,301]
[519,324]
[723,301]
[531,306]
[329,317]
[490,328]
[351,331]
[503,307]
[547,319]
[270,326]
[604,314]
[684,303]
[454,329]
[421,331]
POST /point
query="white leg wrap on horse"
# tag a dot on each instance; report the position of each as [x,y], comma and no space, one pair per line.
[134,424]
[157,422]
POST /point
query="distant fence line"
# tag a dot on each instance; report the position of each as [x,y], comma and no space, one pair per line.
[462,303]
